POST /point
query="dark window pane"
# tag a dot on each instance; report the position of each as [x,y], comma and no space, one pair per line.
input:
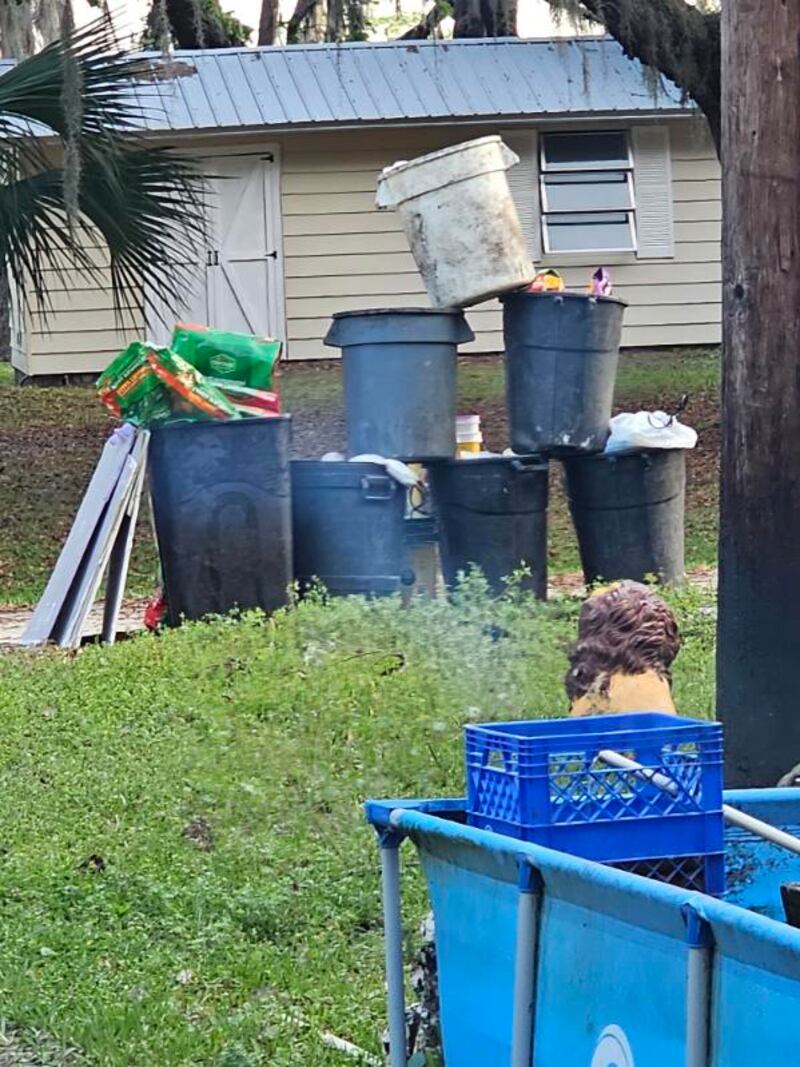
[589,232]
[603,191]
[575,150]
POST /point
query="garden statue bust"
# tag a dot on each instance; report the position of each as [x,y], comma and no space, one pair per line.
[627,640]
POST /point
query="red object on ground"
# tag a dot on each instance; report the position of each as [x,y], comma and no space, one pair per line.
[154,612]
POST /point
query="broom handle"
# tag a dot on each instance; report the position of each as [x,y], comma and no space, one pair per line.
[732,815]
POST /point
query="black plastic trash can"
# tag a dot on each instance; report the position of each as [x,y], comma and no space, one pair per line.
[628,511]
[400,379]
[493,514]
[562,351]
[348,528]
[222,509]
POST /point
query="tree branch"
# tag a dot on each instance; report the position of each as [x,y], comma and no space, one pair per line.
[303,9]
[672,36]
[427,25]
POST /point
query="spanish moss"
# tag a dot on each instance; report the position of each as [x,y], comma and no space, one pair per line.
[47,15]
[674,38]
[193,24]
[161,29]
[16,29]
[72,102]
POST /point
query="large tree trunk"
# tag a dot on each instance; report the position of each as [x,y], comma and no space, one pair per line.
[499,18]
[468,19]
[334,24]
[759,596]
[268,22]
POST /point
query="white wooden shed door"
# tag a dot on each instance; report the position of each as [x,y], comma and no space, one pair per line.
[239,279]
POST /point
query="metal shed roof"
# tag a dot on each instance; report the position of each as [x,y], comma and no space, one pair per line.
[399,82]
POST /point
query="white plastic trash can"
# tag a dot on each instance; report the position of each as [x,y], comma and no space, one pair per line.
[460,221]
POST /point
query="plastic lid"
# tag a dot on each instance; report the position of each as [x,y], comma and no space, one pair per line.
[442,153]
[397,311]
[564,295]
[532,461]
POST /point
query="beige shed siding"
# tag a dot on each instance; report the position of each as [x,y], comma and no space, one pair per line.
[81,332]
[341,253]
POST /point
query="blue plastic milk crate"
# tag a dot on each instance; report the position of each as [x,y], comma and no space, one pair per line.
[543,782]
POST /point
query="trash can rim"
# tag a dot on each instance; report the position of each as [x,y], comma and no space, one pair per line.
[396,311]
[563,295]
[532,461]
[621,453]
[246,420]
[338,464]
[441,153]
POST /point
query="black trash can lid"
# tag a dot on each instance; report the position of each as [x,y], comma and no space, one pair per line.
[379,326]
[518,294]
[621,453]
[534,461]
[396,311]
[214,427]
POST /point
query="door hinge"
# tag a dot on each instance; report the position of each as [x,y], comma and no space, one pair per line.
[212,258]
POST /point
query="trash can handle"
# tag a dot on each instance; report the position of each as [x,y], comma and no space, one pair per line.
[526,466]
[377,487]
[508,156]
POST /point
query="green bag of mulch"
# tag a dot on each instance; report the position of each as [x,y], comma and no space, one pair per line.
[131,390]
[228,357]
[191,396]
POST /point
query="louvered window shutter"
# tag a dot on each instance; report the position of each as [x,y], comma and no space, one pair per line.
[652,171]
[523,180]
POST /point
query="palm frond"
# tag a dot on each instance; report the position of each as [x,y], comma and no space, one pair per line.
[35,237]
[145,201]
[149,206]
[32,93]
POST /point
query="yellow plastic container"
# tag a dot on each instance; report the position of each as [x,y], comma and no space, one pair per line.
[469,439]
[469,448]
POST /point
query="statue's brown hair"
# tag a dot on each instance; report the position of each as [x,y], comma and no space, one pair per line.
[627,629]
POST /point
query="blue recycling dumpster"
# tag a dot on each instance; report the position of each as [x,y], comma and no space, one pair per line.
[546,959]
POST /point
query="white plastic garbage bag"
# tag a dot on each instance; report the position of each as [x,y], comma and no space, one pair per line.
[394,468]
[401,472]
[648,429]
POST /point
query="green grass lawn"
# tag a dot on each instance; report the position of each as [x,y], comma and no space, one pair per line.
[186,877]
[654,372]
[50,440]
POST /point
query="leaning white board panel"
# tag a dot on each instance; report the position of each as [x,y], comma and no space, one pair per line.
[90,513]
[78,604]
[120,558]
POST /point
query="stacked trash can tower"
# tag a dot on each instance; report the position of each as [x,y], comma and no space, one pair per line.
[400,389]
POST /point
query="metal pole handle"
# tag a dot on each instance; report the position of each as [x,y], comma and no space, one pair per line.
[732,815]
